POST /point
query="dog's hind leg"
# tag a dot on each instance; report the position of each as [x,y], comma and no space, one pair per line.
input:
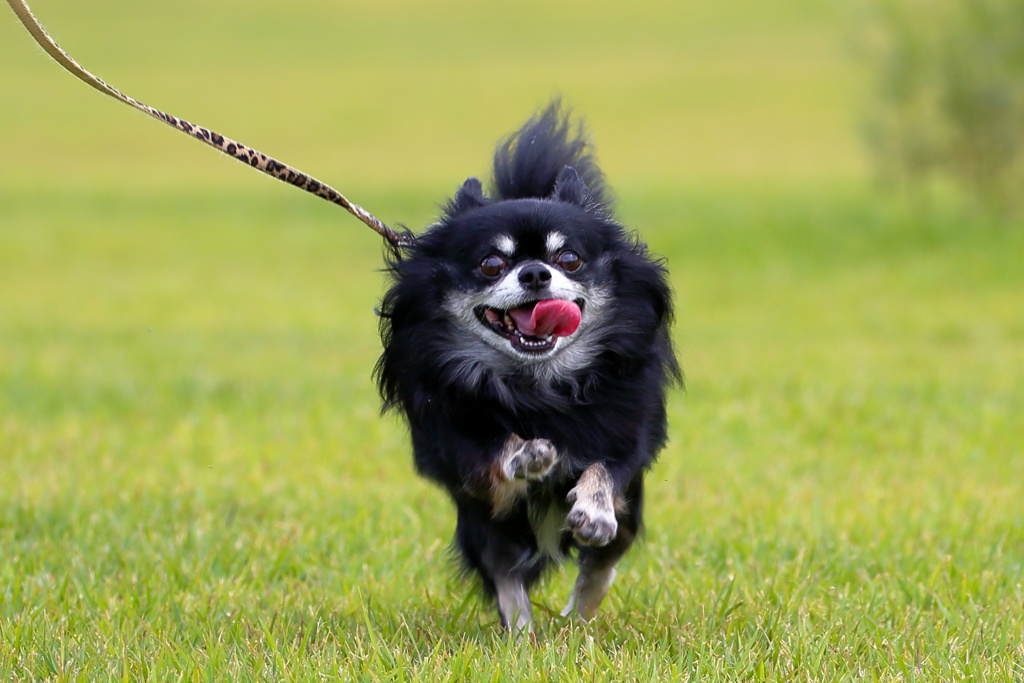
[597,571]
[514,605]
[512,576]
[592,585]
[501,553]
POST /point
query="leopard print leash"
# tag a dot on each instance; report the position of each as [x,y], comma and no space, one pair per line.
[247,155]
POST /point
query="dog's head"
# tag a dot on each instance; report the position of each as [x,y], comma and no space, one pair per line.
[528,278]
[536,286]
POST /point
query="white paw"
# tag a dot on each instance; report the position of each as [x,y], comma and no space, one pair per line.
[531,461]
[591,519]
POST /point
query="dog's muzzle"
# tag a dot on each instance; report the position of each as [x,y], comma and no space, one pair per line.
[533,327]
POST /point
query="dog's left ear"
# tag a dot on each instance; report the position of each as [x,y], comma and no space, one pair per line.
[570,188]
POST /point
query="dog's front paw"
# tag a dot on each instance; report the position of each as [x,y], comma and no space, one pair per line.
[591,525]
[530,460]
[591,518]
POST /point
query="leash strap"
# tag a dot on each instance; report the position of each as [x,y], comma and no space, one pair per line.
[247,155]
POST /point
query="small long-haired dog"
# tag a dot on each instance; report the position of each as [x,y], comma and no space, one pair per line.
[526,340]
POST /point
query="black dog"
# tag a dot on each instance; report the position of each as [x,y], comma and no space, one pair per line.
[526,339]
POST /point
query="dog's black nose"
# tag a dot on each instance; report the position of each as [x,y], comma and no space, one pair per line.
[534,276]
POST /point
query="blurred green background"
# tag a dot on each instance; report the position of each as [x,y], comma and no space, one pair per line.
[402,96]
[187,415]
[728,132]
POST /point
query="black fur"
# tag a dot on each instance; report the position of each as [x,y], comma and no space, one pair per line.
[461,408]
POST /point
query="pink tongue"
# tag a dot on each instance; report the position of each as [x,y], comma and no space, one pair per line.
[556,317]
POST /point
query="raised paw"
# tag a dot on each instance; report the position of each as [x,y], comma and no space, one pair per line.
[592,524]
[530,460]
[592,515]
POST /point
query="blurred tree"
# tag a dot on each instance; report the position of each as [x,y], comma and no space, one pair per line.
[948,99]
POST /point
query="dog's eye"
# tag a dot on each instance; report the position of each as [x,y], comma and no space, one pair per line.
[569,260]
[492,266]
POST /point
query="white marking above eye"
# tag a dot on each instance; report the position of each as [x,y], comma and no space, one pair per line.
[505,244]
[554,241]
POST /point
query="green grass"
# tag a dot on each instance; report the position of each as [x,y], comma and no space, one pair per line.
[194,479]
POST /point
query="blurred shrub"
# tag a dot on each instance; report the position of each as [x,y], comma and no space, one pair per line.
[948,101]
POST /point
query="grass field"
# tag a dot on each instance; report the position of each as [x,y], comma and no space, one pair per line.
[195,482]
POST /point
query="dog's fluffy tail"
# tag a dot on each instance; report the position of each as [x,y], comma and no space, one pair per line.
[527,163]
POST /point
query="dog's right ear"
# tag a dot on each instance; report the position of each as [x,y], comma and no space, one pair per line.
[469,196]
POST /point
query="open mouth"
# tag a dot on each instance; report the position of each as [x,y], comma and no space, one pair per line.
[533,327]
